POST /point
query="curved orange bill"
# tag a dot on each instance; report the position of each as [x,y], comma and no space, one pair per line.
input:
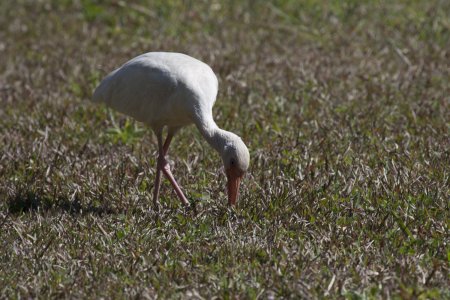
[234,180]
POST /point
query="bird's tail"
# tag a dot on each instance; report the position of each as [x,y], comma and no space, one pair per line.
[98,94]
[102,91]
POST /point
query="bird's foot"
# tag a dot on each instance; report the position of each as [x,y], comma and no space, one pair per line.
[191,207]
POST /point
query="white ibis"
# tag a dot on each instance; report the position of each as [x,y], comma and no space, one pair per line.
[172,89]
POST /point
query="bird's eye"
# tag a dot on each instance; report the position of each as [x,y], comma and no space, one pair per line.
[232,162]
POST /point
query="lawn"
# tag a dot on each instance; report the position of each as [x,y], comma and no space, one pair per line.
[344,106]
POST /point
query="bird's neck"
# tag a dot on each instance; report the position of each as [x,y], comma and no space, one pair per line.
[215,136]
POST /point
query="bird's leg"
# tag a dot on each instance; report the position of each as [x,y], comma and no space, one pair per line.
[165,167]
[168,173]
[167,143]
[157,184]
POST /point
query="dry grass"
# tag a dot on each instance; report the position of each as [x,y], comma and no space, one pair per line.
[344,107]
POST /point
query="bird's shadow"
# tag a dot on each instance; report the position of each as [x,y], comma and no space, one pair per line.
[29,201]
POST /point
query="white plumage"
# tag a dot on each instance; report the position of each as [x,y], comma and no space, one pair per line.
[174,90]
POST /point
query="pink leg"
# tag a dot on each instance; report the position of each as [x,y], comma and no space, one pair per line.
[168,173]
[163,166]
[157,184]
[167,143]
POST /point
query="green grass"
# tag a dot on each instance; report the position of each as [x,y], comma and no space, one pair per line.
[344,106]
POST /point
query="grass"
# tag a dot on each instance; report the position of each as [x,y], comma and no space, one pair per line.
[344,106]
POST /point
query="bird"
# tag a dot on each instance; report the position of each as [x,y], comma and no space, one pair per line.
[173,90]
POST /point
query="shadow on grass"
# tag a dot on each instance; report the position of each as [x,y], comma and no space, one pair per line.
[30,201]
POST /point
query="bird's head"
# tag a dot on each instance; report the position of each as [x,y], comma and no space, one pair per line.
[236,160]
